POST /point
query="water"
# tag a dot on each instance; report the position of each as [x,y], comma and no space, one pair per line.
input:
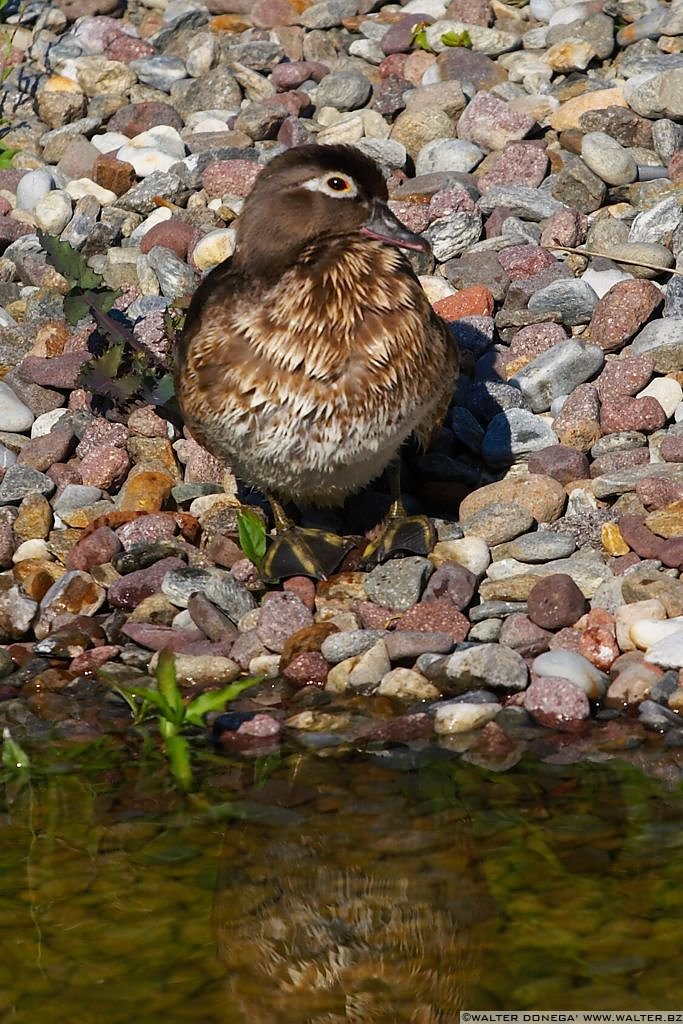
[365,888]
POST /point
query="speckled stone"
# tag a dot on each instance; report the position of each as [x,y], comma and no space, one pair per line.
[624,413]
[280,617]
[578,424]
[622,312]
[557,704]
[398,584]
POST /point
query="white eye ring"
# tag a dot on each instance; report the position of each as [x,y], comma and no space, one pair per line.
[324,184]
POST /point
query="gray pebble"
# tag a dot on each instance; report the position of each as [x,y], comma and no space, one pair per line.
[572,298]
[217,585]
[542,546]
[514,435]
[558,371]
[498,523]
[345,90]
[488,665]
[20,480]
[398,584]
[341,646]
[159,72]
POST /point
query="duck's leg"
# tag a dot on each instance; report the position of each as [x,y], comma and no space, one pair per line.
[400,532]
[299,551]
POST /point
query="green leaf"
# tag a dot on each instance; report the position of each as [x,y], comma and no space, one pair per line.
[100,376]
[252,534]
[420,39]
[152,696]
[178,751]
[215,700]
[457,39]
[69,262]
[13,757]
[167,681]
[6,157]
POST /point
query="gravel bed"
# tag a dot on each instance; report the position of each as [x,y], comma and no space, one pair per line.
[519,138]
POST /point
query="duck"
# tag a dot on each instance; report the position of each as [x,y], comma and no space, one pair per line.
[310,355]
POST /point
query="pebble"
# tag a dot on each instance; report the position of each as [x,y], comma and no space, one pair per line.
[607,158]
[398,584]
[574,667]
[555,602]
[15,416]
[557,372]
[557,703]
[458,717]
[488,665]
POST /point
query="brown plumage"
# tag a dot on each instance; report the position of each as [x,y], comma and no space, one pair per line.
[310,356]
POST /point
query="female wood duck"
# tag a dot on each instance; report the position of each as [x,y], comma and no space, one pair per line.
[313,353]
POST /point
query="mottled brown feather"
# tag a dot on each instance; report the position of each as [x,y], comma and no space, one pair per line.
[307,381]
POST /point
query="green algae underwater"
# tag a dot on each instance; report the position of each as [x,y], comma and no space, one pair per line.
[392,886]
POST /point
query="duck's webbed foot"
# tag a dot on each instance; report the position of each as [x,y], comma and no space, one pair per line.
[301,551]
[400,532]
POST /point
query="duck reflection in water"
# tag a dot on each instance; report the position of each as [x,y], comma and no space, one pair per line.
[352,914]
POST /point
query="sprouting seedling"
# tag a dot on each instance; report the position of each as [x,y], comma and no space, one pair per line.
[419,37]
[174,715]
[252,535]
[457,39]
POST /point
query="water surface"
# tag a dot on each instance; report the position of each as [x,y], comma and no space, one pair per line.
[388,887]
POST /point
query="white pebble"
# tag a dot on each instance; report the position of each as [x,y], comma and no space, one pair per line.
[678,414]
[628,615]
[32,187]
[145,160]
[575,668]
[109,142]
[33,548]
[14,415]
[667,653]
[602,280]
[53,212]
[647,632]
[46,421]
[183,620]
[461,717]
[210,124]
[161,137]
[472,552]
[157,216]
[667,391]
[213,248]
[80,187]
[435,287]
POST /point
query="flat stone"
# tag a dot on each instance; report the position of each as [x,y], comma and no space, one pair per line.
[19,481]
[457,717]
[398,584]
[571,298]
[488,665]
[350,644]
[557,372]
[498,522]
[513,435]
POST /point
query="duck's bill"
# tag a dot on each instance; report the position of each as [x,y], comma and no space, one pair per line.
[384,226]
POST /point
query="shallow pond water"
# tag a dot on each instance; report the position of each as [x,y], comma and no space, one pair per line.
[388,887]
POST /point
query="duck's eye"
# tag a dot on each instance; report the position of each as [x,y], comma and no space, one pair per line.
[338,184]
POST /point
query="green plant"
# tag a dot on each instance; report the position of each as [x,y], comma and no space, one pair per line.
[123,369]
[252,534]
[420,37]
[174,715]
[457,39]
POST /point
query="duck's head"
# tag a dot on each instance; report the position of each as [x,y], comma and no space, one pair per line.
[313,193]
